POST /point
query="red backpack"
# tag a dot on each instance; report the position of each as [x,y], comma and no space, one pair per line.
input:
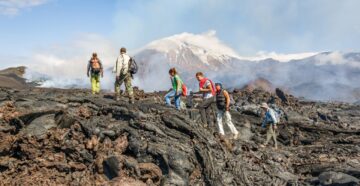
[184,90]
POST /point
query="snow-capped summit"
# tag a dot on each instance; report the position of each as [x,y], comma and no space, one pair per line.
[206,43]
[195,50]
[206,51]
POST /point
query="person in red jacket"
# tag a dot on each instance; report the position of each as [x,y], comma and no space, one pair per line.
[206,87]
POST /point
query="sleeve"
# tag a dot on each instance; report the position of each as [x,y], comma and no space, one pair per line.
[114,69]
[207,83]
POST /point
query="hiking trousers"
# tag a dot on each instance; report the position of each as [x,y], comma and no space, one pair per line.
[206,109]
[172,94]
[128,86]
[271,134]
[95,83]
[225,115]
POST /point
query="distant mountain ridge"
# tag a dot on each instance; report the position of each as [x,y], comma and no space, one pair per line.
[322,76]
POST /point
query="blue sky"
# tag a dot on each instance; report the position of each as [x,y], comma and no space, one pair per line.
[29,27]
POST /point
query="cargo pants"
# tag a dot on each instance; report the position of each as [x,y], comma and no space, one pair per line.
[124,78]
[271,133]
[95,83]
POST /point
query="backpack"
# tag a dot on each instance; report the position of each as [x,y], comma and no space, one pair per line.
[183,87]
[133,67]
[95,66]
[184,90]
[278,112]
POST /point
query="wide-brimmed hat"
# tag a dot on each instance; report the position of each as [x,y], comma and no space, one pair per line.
[264,105]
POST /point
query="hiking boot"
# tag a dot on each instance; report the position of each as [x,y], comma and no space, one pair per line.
[222,137]
[131,101]
[236,136]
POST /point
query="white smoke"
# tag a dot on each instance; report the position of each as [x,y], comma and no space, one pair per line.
[335,58]
[315,77]
[65,66]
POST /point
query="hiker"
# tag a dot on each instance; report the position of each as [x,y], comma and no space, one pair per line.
[269,122]
[206,87]
[176,91]
[94,70]
[223,111]
[121,69]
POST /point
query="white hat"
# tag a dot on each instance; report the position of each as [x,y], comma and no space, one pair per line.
[264,105]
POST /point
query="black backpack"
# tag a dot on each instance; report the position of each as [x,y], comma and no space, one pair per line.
[133,68]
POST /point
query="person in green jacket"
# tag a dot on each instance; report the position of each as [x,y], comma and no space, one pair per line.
[176,90]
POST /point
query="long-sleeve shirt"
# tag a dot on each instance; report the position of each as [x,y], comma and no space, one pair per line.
[270,117]
[89,66]
[122,65]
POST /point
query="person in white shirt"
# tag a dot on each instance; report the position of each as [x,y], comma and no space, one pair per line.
[121,69]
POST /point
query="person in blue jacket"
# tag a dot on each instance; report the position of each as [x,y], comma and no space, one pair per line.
[270,122]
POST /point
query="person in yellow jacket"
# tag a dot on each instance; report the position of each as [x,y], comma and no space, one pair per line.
[94,71]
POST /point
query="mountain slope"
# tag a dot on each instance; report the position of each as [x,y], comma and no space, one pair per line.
[13,78]
[320,76]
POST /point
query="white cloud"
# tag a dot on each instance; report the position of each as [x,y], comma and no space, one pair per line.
[247,26]
[13,7]
[262,55]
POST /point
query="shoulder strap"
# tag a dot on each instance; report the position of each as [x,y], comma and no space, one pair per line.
[130,59]
[213,92]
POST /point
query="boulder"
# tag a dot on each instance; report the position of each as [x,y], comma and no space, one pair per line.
[337,178]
